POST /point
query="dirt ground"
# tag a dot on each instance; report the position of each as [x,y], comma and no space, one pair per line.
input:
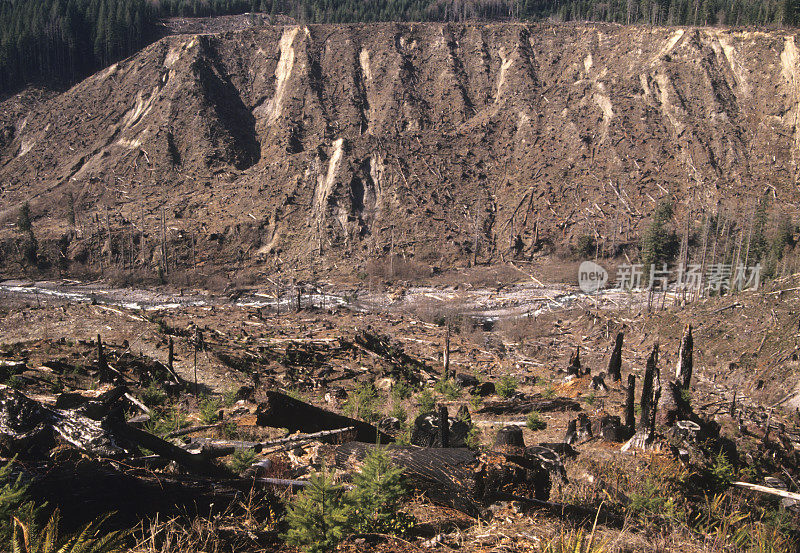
[744,344]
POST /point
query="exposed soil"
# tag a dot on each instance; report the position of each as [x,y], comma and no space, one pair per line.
[325,147]
[739,341]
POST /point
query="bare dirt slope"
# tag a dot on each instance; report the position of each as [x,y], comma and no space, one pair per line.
[273,143]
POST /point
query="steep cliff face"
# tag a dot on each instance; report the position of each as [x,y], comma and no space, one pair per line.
[341,141]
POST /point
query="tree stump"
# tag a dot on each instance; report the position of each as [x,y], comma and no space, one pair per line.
[574,367]
[509,440]
[615,363]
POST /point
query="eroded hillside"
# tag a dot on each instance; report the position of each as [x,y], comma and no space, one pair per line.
[273,144]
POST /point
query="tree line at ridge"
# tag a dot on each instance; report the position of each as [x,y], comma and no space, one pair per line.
[57,42]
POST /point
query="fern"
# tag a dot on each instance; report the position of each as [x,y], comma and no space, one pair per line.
[13,499]
[27,538]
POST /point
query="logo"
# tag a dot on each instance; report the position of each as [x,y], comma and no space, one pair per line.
[591,277]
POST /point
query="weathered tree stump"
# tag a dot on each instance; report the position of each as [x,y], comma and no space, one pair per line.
[584,428]
[598,383]
[426,431]
[572,432]
[486,389]
[509,439]
[444,426]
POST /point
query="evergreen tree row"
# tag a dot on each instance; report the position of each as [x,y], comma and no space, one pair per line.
[57,42]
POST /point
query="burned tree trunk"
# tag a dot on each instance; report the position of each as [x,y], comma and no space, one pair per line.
[171,356]
[446,354]
[674,403]
[574,367]
[630,401]
[102,364]
[647,388]
[615,363]
[444,426]
[282,411]
[683,373]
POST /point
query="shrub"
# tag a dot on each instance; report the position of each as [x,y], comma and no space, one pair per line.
[473,439]
[448,388]
[229,397]
[24,218]
[209,410]
[318,518]
[722,472]
[399,412]
[229,430]
[585,248]
[401,390]
[651,501]
[535,421]
[153,395]
[375,498]
[241,460]
[475,402]
[363,402]
[507,386]
[163,423]
[549,392]
[426,401]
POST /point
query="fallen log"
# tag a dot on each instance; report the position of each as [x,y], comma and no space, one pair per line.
[516,407]
[327,436]
[198,463]
[84,488]
[460,478]
[765,489]
[283,411]
[191,430]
